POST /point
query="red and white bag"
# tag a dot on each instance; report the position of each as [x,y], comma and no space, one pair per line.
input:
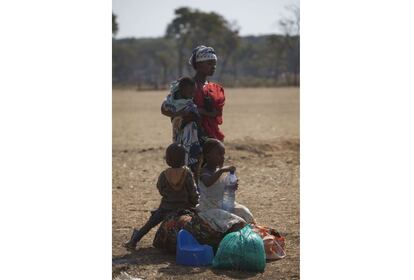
[274,243]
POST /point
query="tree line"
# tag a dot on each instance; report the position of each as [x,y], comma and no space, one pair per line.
[269,60]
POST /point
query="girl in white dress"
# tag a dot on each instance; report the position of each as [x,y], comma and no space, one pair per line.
[211,187]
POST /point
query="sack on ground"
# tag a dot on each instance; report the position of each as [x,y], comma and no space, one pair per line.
[241,250]
[274,243]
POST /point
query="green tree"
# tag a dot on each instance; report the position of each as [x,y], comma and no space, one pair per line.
[291,27]
[146,63]
[114,25]
[192,27]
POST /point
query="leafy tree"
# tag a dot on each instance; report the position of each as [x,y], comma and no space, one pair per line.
[192,27]
[291,27]
[257,61]
[143,62]
[114,25]
[270,60]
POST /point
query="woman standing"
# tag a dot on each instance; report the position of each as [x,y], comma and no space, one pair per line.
[209,98]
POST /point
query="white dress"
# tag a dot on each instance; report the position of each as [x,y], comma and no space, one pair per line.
[210,206]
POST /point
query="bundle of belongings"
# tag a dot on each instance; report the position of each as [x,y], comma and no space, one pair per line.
[244,249]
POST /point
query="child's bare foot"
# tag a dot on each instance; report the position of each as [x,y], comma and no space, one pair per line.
[132,243]
[129,246]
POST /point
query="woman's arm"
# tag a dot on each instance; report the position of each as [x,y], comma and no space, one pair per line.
[212,114]
[209,180]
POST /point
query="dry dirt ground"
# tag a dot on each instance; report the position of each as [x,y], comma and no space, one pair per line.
[262,141]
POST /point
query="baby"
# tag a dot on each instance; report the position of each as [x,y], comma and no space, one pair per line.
[177,187]
[186,127]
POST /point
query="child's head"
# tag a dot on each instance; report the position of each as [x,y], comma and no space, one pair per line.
[186,87]
[175,155]
[213,152]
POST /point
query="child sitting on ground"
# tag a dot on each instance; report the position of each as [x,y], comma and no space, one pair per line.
[211,186]
[178,190]
[186,125]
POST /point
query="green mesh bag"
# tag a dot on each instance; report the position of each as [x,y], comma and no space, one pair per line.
[241,250]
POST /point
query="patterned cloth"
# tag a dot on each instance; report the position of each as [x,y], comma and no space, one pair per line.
[166,236]
[189,135]
[274,243]
[220,220]
[210,205]
[202,53]
[174,102]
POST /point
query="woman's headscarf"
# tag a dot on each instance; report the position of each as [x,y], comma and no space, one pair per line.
[202,53]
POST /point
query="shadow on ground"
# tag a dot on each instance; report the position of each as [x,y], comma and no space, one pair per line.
[153,256]
[144,256]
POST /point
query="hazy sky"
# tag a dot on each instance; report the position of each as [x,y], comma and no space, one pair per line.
[149,18]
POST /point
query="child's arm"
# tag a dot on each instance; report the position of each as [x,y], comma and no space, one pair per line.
[192,190]
[168,113]
[161,185]
[209,180]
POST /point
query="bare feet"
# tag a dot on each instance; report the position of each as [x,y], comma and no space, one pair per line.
[129,246]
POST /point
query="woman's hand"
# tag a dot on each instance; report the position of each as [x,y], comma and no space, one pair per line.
[187,116]
[211,114]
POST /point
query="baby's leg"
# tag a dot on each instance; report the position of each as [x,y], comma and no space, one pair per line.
[244,212]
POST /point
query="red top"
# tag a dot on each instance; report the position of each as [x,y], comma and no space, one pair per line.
[216,92]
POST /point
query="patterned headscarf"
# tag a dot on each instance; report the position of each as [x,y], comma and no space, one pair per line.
[202,53]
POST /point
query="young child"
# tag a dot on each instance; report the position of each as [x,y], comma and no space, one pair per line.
[186,124]
[211,182]
[178,190]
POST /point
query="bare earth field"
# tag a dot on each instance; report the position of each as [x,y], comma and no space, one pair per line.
[262,141]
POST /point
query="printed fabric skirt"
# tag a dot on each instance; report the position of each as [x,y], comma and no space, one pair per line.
[166,236]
